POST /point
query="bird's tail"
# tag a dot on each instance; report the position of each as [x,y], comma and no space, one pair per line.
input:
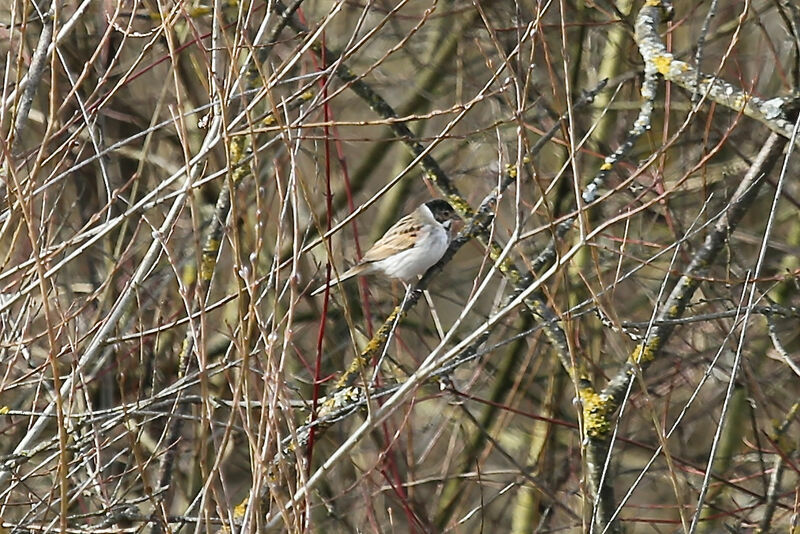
[355,271]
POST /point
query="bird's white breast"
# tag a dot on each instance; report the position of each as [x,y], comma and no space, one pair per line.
[430,247]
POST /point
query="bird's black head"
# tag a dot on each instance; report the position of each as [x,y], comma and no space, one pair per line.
[442,210]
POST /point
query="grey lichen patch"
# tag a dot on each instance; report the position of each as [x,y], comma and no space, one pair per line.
[658,59]
[773,108]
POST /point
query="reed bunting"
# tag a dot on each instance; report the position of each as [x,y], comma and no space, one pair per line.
[409,248]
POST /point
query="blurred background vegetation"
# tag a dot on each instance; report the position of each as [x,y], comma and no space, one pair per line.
[169,167]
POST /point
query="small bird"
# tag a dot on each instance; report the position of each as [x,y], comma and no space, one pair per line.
[409,248]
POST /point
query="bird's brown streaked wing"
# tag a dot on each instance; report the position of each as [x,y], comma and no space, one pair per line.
[398,238]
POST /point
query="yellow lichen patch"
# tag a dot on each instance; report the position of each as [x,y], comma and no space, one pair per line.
[645,353]
[240,509]
[374,344]
[653,3]
[606,166]
[209,260]
[460,205]
[510,271]
[597,411]
[237,149]
[189,274]
[239,173]
[269,120]
[358,363]
[511,170]
[211,246]
[674,311]
[663,63]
